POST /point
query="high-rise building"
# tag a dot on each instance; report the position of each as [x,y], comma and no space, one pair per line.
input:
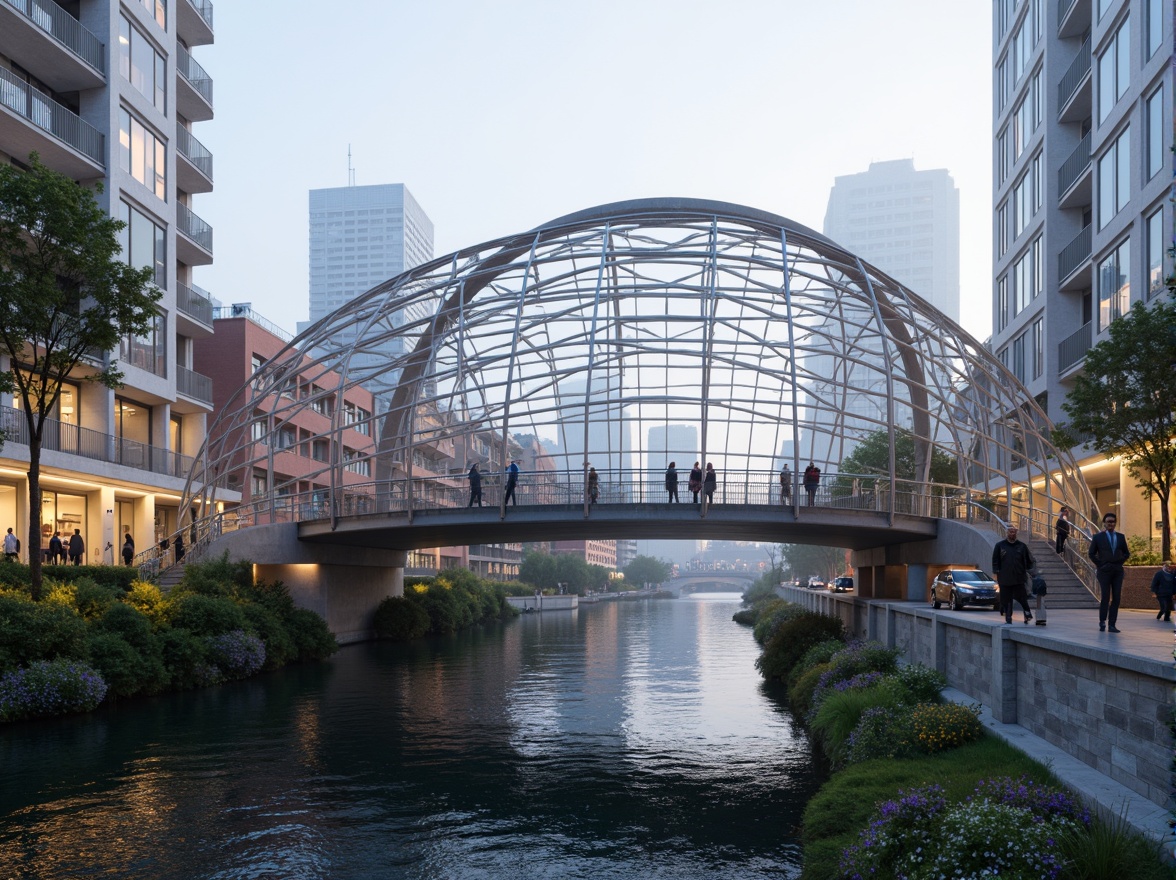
[361,236]
[905,222]
[1082,188]
[109,92]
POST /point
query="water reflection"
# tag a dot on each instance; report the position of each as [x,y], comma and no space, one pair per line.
[623,739]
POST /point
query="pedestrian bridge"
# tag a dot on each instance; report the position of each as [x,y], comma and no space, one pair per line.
[616,341]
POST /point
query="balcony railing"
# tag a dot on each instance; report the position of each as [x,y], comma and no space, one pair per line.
[193,304]
[1077,71]
[1075,166]
[94,445]
[243,311]
[47,114]
[193,227]
[1064,7]
[1074,347]
[194,151]
[202,82]
[204,10]
[193,384]
[1075,253]
[65,29]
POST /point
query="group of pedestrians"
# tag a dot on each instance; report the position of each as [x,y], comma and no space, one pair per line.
[56,551]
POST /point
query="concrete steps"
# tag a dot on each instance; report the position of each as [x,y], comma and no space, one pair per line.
[171,576]
[1064,588]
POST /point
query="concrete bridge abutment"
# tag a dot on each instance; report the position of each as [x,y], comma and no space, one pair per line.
[342,584]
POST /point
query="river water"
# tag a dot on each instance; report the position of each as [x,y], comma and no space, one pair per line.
[623,740]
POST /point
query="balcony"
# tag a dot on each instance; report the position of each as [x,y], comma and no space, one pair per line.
[193,312]
[1073,17]
[193,88]
[85,443]
[1073,348]
[75,148]
[194,22]
[1074,90]
[1074,177]
[1073,257]
[194,244]
[35,31]
[194,168]
[193,385]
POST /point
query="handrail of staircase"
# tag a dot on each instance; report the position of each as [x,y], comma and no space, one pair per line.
[1041,525]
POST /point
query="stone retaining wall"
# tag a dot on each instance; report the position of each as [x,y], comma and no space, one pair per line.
[1110,711]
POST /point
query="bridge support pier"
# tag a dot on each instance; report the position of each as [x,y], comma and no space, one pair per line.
[342,584]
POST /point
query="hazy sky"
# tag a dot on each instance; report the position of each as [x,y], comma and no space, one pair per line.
[502,116]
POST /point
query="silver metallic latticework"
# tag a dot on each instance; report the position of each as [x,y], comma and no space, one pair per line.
[564,346]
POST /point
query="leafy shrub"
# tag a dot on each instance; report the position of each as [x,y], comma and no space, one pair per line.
[311,637]
[1109,849]
[237,654]
[801,691]
[841,711]
[900,831]
[818,655]
[147,599]
[855,658]
[772,614]
[31,631]
[745,616]
[50,687]
[124,669]
[205,615]
[762,590]
[883,731]
[400,619]
[217,577]
[919,683]
[447,614]
[946,726]
[185,656]
[986,839]
[279,647]
[792,640]
[116,577]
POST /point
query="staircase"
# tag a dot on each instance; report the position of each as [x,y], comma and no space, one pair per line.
[172,575]
[1064,590]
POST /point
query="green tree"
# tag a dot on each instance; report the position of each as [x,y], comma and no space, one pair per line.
[647,570]
[1123,400]
[872,456]
[66,299]
[538,569]
[805,560]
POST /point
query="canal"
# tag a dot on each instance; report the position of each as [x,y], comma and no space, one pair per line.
[624,740]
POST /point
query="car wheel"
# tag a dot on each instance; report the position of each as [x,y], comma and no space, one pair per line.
[956,605]
[935,603]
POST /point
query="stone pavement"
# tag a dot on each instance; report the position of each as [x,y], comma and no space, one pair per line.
[1142,637]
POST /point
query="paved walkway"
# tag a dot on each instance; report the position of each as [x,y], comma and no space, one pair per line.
[1142,637]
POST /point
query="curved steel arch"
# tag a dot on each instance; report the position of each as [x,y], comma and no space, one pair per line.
[766,338]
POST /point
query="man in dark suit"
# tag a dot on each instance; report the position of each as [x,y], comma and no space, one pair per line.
[1108,551]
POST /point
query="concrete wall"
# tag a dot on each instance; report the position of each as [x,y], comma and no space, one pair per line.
[343,584]
[1108,710]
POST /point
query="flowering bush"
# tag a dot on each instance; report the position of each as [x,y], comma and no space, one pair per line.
[237,654]
[922,684]
[50,687]
[855,658]
[1006,829]
[947,726]
[897,837]
[882,732]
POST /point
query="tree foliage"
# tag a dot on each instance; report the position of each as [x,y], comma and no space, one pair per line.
[66,299]
[1123,400]
[872,456]
[805,560]
[647,570]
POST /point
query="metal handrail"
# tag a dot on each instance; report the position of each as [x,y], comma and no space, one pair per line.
[65,29]
[194,304]
[1075,165]
[1075,253]
[203,9]
[193,227]
[195,152]
[1078,70]
[193,384]
[1074,347]
[194,73]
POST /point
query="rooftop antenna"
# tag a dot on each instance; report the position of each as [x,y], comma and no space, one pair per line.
[350,170]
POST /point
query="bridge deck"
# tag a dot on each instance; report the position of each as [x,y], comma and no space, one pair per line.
[852,529]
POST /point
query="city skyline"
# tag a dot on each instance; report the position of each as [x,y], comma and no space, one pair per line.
[502,119]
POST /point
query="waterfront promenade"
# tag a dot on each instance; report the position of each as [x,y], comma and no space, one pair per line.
[1093,707]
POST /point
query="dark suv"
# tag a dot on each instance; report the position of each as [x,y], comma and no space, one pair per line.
[960,587]
[843,584]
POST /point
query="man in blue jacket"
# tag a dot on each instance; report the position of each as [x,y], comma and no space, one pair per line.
[1108,551]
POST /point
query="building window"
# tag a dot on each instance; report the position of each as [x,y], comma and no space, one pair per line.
[1114,178]
[148,351]
[1004,15]
[1027,116]
[1002,156]
[1002,229]
[157,9]
[1002,84]
[1002,302]
[144,243]
[1027,36]
[141,65]
[1154,161]
[1155,253]
[259,428]
[259,483]
[1027,196]
[1114,285]
[1155,26]
[1038,348]
[132,424]
[286,437]
[1103,6]
[142,155]
[1027,277]
[1114,73]
[1019,357]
